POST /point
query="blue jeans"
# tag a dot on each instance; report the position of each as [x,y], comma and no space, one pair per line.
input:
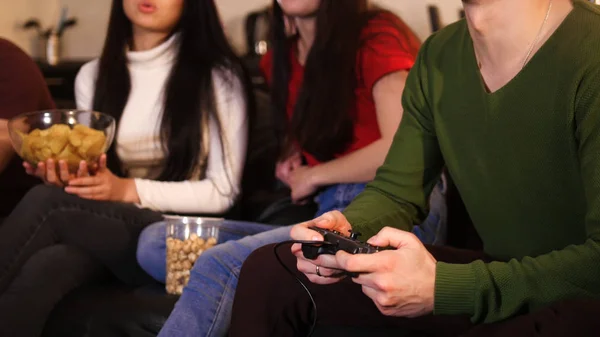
[152,245]
[204,308]
[151,253]
[433,230]
[337,197]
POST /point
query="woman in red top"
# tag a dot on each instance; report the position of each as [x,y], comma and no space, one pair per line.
[336,72]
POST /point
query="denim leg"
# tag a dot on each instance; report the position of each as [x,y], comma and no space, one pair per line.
[47,277]
[204,308]
[50,228]
[48,216]
[433,229]
[152,247]
[337,197]
[235,230]
[152,251]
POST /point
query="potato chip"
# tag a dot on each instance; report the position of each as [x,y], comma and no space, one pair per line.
[69,155]
[58,137]
[60,142]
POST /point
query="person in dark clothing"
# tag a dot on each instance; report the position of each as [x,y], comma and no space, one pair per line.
[22,89]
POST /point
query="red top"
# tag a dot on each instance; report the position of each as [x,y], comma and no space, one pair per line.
[385,50]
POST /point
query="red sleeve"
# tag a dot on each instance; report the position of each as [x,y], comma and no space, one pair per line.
[266,65]
[388,46]
[22,86]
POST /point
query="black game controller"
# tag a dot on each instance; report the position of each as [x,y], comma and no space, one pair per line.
[334,241]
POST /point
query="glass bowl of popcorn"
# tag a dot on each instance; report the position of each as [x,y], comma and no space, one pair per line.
[187,239]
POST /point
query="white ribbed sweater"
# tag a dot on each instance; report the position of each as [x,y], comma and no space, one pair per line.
[138,143]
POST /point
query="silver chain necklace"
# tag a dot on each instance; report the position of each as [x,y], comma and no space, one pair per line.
[535,42]
[537,38]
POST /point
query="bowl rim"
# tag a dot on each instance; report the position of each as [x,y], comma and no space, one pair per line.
[39,112]
[193,220]
[13,130]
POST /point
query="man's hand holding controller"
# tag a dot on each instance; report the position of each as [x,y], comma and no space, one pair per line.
[400,281]
[325,268]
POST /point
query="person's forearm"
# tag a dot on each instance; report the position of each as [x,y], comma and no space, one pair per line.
[357,167]
[497,291]
[207,196]
[130,194]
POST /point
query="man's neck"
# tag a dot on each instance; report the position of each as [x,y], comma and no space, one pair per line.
[307,31]
[503,32]
[145,40]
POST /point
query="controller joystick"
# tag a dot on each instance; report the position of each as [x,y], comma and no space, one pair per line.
[334,242]
[354,235]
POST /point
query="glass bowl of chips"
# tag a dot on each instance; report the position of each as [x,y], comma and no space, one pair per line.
[69,135]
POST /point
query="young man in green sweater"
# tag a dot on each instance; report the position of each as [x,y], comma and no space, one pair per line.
[509,101]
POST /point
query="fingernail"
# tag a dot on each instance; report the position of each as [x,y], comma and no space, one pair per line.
[316,238]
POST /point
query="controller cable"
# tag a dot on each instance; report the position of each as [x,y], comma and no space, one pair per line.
[314,304]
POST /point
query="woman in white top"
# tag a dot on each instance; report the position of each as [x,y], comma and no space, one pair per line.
[169,78]
[180,98]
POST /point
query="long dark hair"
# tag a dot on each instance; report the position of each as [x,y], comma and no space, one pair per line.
[323,118]
[189,96]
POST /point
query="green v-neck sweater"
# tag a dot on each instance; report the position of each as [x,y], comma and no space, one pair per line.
[526,160]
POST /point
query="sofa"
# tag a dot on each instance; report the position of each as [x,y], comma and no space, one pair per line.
[107,308]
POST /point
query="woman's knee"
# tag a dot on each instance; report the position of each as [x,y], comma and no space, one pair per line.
[151,241]
[38,201]
[151,249]
[40,194]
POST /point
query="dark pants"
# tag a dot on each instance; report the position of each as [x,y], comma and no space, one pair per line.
[54,242]
[269,302]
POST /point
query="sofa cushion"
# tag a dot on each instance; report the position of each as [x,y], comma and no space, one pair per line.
[109,311]
[87,309]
